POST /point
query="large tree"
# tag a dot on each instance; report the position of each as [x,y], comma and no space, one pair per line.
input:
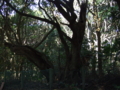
[75,22]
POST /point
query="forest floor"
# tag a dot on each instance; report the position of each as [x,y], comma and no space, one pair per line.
[108,82]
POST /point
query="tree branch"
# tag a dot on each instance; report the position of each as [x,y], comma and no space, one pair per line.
[37,58]
[61,10]
[63,40]
[28,15]
[64,23]
[44,38]
[70,10]
[44,10]
[82,17]
[91,12]
[68,38]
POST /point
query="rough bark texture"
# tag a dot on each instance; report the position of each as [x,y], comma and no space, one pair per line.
[74,61]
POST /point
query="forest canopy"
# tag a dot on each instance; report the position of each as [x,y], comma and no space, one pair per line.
[76,38]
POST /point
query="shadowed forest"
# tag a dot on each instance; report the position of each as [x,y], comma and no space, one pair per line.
[60,44]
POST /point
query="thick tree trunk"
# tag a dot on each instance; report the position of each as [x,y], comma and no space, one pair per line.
[72,69]
[74,61]
[75,57]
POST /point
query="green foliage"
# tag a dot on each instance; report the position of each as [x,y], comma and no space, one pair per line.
[99,1]
[108,12]
[116,45]
[106,48]
[29,31]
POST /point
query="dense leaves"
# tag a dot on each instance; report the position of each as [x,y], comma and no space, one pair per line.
[79,39]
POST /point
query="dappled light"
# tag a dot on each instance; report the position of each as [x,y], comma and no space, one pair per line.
[59,45]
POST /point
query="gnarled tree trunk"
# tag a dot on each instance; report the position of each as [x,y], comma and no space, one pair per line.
[74,62]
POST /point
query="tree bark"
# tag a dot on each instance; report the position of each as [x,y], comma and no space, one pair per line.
[37,58]
[99,54]
[77,26]
[74,62]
